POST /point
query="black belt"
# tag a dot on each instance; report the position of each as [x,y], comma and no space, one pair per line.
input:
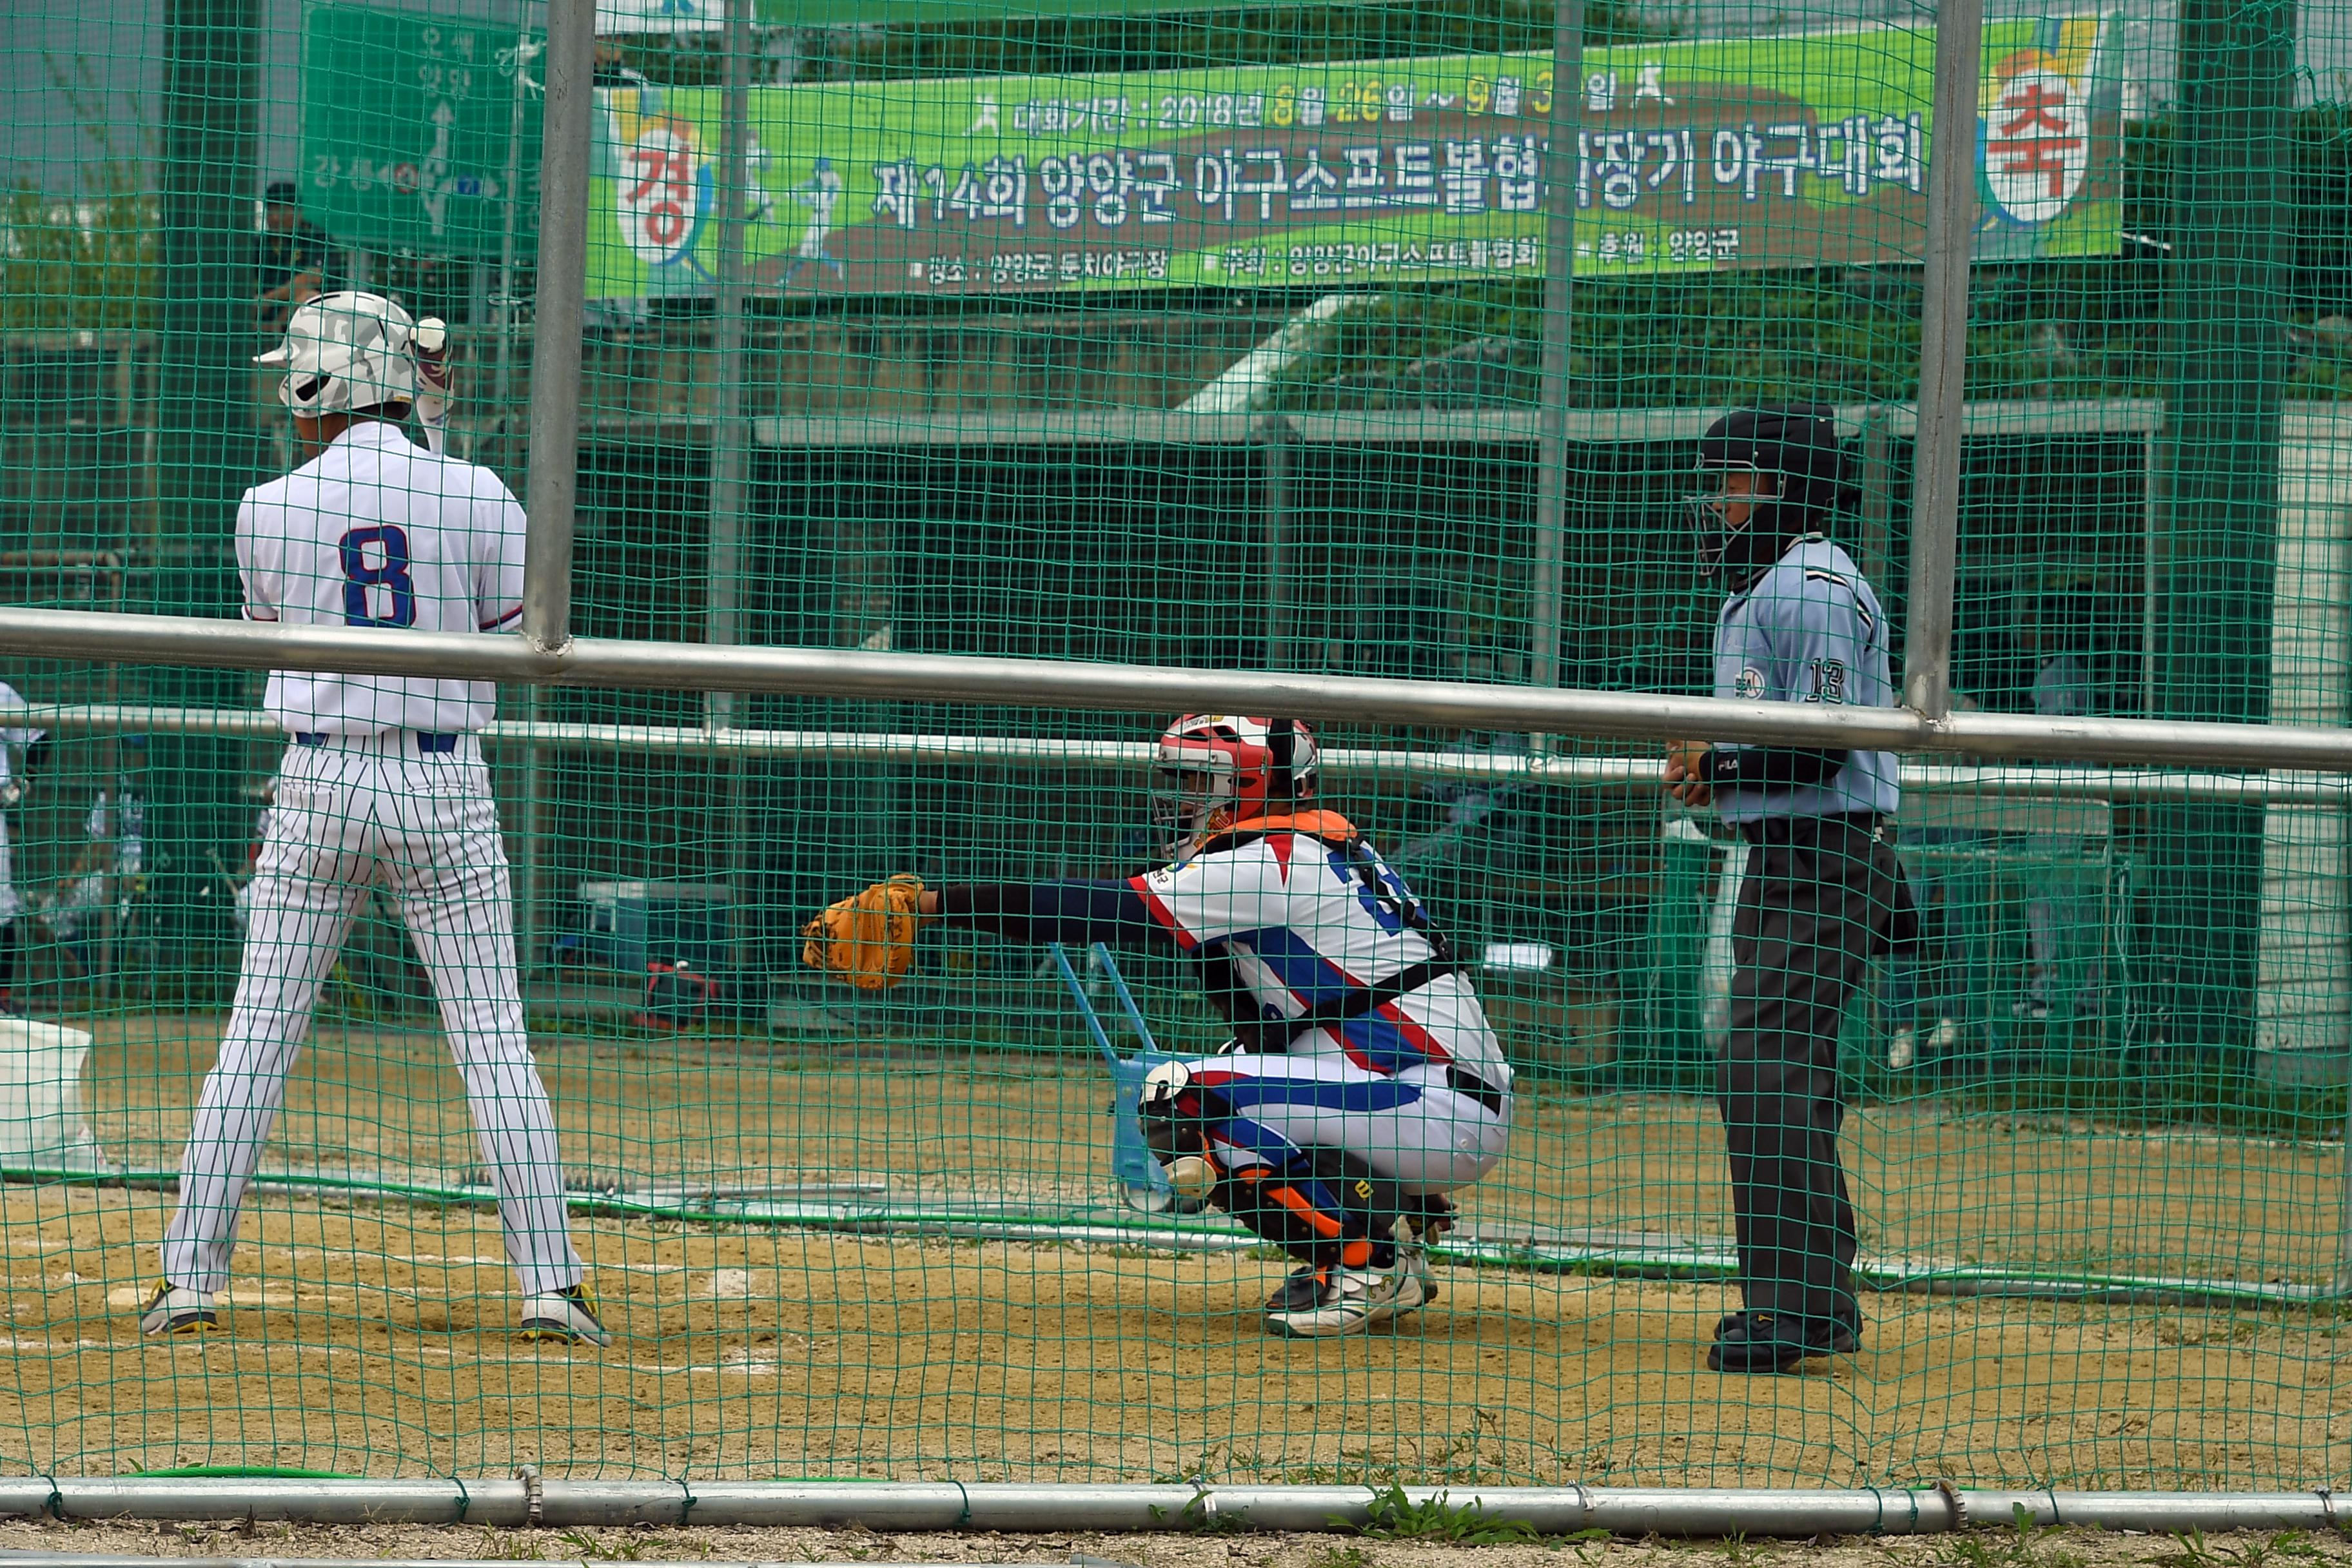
[427,741]
[1868,823]
[1470,1086]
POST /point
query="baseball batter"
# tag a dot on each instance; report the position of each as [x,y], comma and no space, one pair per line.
[383,783]
[1363,1084]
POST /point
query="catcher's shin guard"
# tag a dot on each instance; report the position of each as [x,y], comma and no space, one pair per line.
[1321,1206]
[1300,1213]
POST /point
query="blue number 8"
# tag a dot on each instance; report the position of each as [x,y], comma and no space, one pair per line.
[359,605]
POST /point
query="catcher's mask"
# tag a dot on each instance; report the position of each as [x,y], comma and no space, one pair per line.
[1217,769]
[1770,475]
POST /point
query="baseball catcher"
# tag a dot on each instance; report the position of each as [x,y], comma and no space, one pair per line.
[1363,1084]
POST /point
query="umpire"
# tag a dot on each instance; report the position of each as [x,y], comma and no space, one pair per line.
[1823,893]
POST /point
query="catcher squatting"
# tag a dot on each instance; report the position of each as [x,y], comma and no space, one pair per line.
[1363,1084]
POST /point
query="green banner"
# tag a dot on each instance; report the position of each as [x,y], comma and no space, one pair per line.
[411,135]
[1801,150]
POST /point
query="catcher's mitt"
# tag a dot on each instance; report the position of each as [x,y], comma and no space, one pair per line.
[868,939]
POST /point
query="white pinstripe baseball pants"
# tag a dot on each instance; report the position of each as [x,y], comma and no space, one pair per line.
[353,812]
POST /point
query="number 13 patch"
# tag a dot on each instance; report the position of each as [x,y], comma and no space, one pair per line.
[1828,681]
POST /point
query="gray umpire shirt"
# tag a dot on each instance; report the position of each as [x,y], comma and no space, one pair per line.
[1807,630]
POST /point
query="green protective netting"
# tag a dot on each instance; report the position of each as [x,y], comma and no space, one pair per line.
[1208,337]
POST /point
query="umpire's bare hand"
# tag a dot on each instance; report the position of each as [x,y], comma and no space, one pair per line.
[1683,780]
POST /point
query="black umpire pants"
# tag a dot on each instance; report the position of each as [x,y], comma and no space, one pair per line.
[1821,898]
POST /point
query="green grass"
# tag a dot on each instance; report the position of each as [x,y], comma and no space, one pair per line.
[1437,1521]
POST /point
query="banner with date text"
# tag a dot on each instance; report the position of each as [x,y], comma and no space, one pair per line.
[1799,150]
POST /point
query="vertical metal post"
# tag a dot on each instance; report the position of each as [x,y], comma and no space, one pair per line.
[1560,270]
[503,399]
[729,438]
[531,901]
[2152,513]
[561,283]
[1274,441]
[726,432]
[1943,360]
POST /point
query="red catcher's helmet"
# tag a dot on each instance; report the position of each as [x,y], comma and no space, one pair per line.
[1217,769]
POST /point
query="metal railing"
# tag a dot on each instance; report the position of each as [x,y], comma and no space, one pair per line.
[1143,689]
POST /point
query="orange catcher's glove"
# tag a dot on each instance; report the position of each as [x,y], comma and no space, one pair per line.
[868,938]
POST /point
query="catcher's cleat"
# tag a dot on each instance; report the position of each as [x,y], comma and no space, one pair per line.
[1414,1260]
[174,1310]
[1301,1292]
[1352,1300]
[565,1316]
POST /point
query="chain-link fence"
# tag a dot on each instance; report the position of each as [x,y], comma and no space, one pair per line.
[1350,344]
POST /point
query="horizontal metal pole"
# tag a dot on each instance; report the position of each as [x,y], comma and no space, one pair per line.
[1632,1511]
[482,1500]
[1136,689]
[1634,775]
[1404,427]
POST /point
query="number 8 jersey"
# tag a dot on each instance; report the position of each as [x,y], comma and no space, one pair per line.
[376,531]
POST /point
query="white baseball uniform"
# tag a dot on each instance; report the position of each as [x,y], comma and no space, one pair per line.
[384,784]
[12,743]
[1418,1088]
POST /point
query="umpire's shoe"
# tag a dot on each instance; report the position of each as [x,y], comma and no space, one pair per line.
[174,1309]
[567,1316]
[1778,1341]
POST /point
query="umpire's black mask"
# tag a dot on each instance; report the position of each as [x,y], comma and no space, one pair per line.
[1798,472]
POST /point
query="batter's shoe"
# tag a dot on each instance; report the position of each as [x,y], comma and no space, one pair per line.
[172,1309]
[565,1316]
[1351,1300]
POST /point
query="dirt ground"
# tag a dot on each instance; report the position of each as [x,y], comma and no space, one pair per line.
[374,1338]
[1986,1549]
